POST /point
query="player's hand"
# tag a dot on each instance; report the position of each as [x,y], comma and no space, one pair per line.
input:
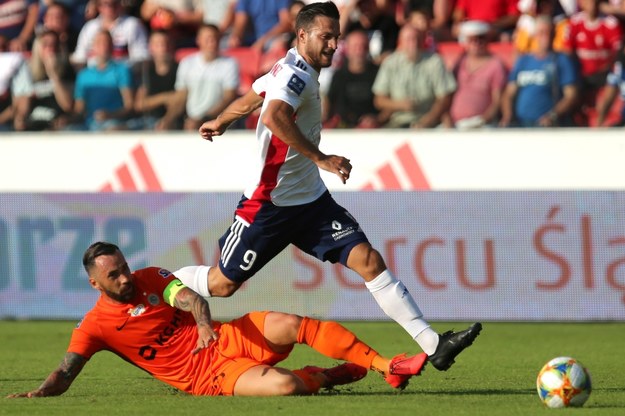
[211,128]
[206,336]
[338,165]
[28,394]
[100,115]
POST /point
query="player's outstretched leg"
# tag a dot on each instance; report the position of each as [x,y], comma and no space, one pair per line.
[335,341]
[402,368]
[450,344]
[336,376]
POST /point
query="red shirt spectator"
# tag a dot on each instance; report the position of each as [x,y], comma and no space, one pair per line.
[594,40]
[502,15]
[487,10]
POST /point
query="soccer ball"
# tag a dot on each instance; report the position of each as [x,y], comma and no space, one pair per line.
[563,382]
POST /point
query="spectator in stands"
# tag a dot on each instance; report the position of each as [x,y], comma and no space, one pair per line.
[206,82]
[570,7]
[615,84]
[103,94]
[53,82]
[294,9]
[523,37]
[221,14]
[57,19]
[542,86]
[413,86]
[438,11]
[259,23]
[180,18]
[156,94]
[18,19]
[594,40]
[350,99]
[78,12]
[420,19]
[614,8]
[129,36]
[380,27]
[481,79]
[15,88]
[502,16]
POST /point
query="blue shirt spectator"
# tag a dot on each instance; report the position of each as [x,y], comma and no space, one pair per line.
[257,22]
[103,92]
[542,87]
[540,82]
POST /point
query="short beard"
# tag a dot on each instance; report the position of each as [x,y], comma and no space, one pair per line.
[119,297]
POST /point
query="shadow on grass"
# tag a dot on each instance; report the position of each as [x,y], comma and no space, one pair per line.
[465,392]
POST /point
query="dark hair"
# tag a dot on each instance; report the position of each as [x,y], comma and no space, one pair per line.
[307,14]
[209,26]
[60,5]
[95,250]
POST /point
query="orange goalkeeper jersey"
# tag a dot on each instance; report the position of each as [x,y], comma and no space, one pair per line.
[148,333]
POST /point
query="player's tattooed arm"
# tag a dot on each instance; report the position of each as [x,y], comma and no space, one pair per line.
[60,379]
[188,300]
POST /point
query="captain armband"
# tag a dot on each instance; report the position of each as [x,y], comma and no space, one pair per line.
[172,289]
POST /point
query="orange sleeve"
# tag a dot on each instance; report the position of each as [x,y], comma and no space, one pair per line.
[86,339]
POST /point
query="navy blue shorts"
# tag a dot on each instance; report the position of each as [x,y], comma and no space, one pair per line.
[322,228]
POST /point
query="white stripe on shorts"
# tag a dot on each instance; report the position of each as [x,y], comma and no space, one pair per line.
[233,239]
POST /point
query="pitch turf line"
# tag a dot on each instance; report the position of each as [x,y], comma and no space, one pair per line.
[495,376]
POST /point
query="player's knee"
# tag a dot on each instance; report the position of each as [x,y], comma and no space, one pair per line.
[223,291]
[366,261]
[289,385]
[292,323]
[221,286]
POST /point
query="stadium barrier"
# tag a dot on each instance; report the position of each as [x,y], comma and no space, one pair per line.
[491,225]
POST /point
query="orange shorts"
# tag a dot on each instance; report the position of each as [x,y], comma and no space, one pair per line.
[241,346]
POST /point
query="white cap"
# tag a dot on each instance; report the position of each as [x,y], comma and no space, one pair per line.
[472,28]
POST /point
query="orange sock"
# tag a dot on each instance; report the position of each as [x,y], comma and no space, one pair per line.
[312,383]
[335,341]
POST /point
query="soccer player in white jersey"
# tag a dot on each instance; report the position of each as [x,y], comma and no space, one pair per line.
[288,202]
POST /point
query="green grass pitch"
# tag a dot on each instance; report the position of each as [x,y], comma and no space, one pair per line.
[496,376]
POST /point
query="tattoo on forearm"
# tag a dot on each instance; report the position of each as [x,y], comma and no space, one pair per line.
[61,378]
[189,301]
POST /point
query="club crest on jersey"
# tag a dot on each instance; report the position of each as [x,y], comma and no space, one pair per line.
[296,84]
[153,299]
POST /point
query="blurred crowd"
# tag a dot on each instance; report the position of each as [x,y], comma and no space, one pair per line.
[102,65]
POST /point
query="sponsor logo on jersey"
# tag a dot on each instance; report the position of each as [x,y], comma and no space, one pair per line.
[164,273]
[296,84]
[137,310]
[336,225]
[148,352]
[342,233]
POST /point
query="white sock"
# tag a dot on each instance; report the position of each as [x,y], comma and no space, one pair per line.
[398,304]
[195,278]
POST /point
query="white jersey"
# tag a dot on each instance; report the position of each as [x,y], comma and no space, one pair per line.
[130,40]
[285,177]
